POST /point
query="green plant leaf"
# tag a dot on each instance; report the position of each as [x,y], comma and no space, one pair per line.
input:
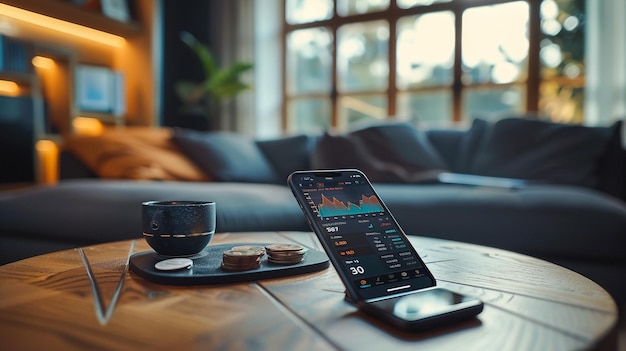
[230,90]
[202,52]
[238,68]
[218,83]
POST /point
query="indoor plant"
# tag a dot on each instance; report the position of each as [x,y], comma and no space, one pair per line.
[219,83]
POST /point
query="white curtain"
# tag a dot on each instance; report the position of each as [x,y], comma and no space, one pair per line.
[244,51]
[232,30]
[605,90]
[268,75]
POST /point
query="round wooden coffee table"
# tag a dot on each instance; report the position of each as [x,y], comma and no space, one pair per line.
[87,299]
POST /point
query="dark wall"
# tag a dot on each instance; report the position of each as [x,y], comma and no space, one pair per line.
[16,139]
[179,62]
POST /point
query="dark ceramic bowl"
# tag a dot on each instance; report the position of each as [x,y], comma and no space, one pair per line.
[178,228]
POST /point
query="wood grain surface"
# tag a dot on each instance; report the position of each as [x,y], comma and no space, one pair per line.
[48,302]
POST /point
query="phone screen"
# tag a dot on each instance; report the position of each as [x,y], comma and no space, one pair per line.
[363,240]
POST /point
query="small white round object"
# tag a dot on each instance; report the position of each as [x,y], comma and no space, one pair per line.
[174,264]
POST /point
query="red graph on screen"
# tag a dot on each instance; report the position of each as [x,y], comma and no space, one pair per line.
[336,207]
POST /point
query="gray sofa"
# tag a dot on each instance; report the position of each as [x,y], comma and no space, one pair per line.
[548,190]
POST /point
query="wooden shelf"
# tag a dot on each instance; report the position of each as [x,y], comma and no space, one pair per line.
[71,13]
[69,51]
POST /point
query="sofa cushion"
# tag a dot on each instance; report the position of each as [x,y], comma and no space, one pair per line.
[288,154]
[541,220]
[612,165]
[228,157]
[446,142]
[535,150]
[386,153]
[140,153]
[94,211]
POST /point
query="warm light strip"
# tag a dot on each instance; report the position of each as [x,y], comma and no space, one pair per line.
[9,87]
[43,62]
[62,26]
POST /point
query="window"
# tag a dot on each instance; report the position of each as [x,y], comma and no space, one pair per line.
[349,62]
[562,54]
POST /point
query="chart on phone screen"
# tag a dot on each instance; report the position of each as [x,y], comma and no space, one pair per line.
[342,202]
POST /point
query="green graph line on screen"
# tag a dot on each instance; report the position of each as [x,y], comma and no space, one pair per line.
[335,207]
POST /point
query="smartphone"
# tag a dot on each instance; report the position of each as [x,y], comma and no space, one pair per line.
[383,274]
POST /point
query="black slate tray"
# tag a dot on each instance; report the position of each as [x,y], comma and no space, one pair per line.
[206,267]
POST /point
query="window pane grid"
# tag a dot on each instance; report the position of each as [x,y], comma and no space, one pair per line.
[309,60]
[362,52]
[493,103]
[495,43]
[355,110]
[425,59]
[561,56]
[378,53]
[309,115]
